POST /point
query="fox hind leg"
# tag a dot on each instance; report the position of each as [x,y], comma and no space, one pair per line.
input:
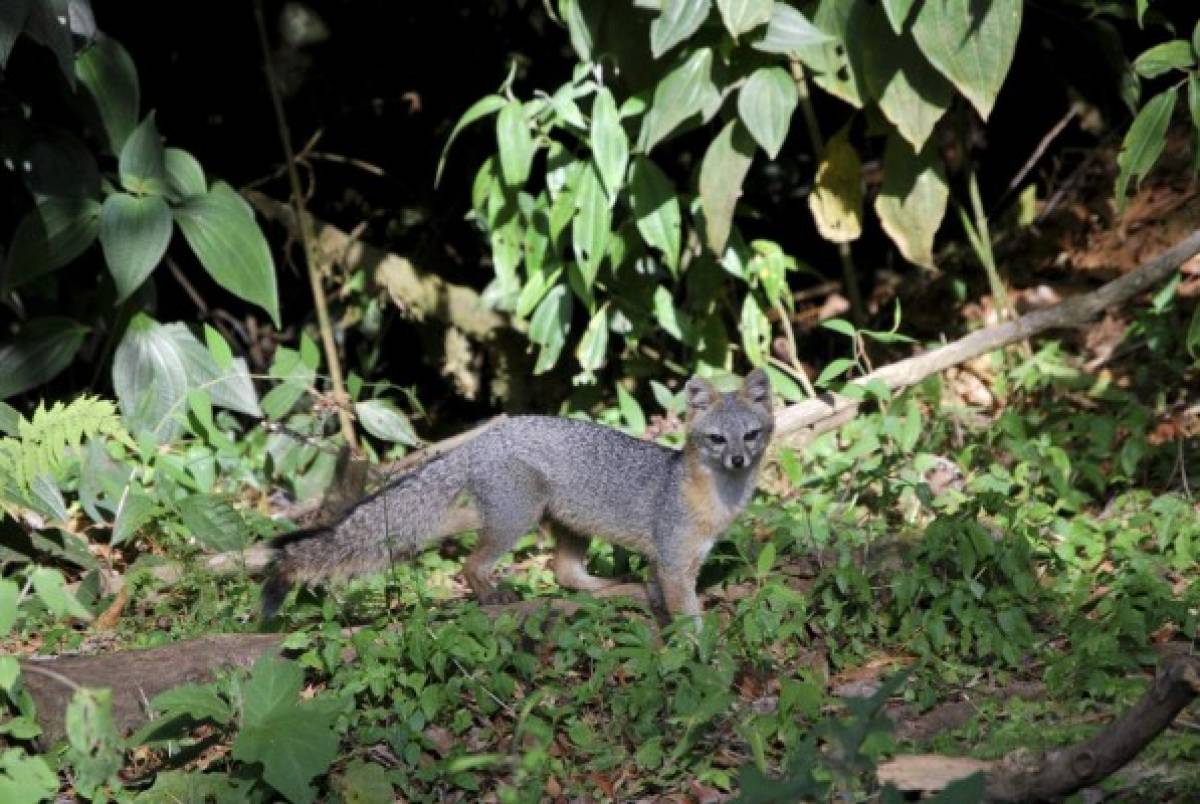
[570,562]
[508,512]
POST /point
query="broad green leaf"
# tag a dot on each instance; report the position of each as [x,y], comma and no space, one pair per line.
[142,162]
[293,740]
[48,497]
[365,783]
[742,16]
[897,13]
[9,593]
[213,523]
[13,16]
[515,143]
[135,510]
[912,201]
[25,778]
[593,345]
[610,143]
[667,315]
[489,104]
[565,107]
[1144,142]
[194,700]
[383,419]
[185,177]
[535,290]
[44,347]
[755,329]
[106,70]
[51,589]
[677,22]
[725,165]
[971,44]
[230,246]
[583,18]
[682,93]
[57,163]
[910,92]
[51,235]
[134,234]
[837,195]
[829,59]
[833,370]
[592,225]
[766,103]
[631,410]
[788,31]
[550,325]
[656,210]
[1165,57]
[95,753]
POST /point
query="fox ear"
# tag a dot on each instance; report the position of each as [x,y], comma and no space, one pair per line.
[700,395]
[756,388]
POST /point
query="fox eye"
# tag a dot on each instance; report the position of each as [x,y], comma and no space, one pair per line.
[716,439]
[752,435]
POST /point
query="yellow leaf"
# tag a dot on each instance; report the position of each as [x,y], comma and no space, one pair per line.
[837,197]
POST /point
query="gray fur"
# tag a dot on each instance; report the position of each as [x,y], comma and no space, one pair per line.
[579,478]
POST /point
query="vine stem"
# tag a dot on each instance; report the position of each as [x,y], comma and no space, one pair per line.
[307,238]
[849,273]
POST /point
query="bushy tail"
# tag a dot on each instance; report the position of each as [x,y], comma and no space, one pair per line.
[395,522]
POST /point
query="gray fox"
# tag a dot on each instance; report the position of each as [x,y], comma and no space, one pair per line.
[577,478]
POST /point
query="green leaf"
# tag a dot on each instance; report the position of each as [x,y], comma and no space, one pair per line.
[766,103]
[583,18]
[489,104]
[592,225]
[142,162]
[755,329]
[25,778]
[971,44]
[55,162]
[677,22]
[788,31]
[134,234]
[108,73]
[833,370]
[135,510]
[184,174]
[382,419]
[897,13]
[9,594]
[195,701]
[213,523]
[516,144]
[51,235]
[766,559]
[631,410]
[48,497]
[44,347]
[668,317]
[741,16]
[1144,142]
[550,325]
[293,741]
[910,92]
[13,16]
[593,346]
[829,61]
[912,201]
[365,783]
[1194,100]
[51,589]
[1165,57]
[230,246]
[610,144]
[95,750]
[1191,340]
[685,91]
[725,165]
[656,210]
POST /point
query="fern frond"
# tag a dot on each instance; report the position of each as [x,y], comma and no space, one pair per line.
[43,440]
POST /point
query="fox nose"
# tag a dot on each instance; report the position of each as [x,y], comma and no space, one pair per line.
[738,461]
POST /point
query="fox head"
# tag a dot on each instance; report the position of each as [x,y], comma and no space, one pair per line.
[729,431]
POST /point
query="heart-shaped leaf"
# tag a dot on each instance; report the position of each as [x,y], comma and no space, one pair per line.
[142,164]
[677,22]
[134,234]
[766,103]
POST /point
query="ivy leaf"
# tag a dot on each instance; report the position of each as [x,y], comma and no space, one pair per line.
[610,143]
[221,230]
[656,210]
[971,44]
[294,741]
[766,103]
[725,165]
[685,91]
[110,77]
[912,201]
[515,143]
[142,165]
[134,234]
[1144,142]
[677,22]
[741,16]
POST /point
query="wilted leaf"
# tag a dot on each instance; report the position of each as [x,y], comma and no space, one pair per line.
[721,175]
[971,44]
[837,195]
[912,201]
